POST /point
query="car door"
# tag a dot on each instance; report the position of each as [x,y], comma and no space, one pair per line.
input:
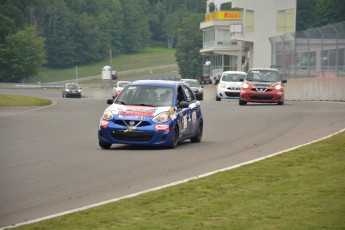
[191,112]
[183,114]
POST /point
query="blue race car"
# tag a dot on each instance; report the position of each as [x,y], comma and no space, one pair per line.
[151,112]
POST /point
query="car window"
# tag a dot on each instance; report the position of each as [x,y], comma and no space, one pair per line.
[193,83]
[72,86]
[189,94]
[146,95]
[122,84]
[233,77]
[263,76]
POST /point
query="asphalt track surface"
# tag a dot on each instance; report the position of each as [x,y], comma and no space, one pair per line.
[50,161]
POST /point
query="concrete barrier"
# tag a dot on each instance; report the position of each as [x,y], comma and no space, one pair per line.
[316,89]
[98,93]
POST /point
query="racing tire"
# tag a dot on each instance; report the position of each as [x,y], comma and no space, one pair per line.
[104,145]
[241,102]
[218,98]
[198,135]
[282,102]
[174,137]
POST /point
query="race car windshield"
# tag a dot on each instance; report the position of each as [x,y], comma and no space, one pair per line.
[232,77]
[146,96]
[263,76]
[193,83]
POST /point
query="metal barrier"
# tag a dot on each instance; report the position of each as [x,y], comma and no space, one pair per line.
[312,53]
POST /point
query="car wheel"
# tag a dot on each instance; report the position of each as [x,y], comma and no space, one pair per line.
[281,102]
[218,98]
[174,137]
[241,102]
[198,135]
[104,145]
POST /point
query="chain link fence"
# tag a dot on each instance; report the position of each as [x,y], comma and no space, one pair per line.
[312,53]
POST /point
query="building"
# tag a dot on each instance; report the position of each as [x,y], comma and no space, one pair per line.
[315,52]
[236,32]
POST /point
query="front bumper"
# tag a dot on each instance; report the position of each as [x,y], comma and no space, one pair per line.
[143,135]
[227,94]
[262,97]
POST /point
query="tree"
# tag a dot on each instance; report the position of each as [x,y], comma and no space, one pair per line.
[189,43]
[170,25]
[136,35]
[311,14]
[21,56]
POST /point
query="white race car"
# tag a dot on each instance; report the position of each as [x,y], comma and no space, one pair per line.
[229,85]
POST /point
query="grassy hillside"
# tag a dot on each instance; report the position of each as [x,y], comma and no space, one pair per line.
[148,58]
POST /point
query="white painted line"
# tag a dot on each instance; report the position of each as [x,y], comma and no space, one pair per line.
[165,186]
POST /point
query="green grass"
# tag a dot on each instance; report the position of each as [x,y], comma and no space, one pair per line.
[300,189]
[147,58]
[19,100]
[128,76]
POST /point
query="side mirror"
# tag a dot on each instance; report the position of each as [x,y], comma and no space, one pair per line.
[110,101]
[284,81]
[183,104]
[241,80]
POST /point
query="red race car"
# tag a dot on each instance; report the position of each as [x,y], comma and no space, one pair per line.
[262,85]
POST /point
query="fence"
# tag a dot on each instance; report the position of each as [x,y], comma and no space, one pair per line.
[312,53]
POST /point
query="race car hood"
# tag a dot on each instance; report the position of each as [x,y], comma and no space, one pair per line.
[263,84]
[196,89]
[135,110]
[232,84]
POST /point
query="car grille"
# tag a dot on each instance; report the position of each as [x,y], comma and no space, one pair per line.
[234,88]
[136,123]
[261,96]
[232,94]
[135,136]
[261,89]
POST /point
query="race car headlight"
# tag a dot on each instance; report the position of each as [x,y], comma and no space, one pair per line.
[245,85]
[222,85]
[107,115]
[162,117]
[277,87]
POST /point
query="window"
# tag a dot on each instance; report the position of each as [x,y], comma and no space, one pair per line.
[286,20]
[249,21]
[189,94]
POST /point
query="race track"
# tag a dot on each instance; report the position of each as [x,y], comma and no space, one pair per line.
[51,161]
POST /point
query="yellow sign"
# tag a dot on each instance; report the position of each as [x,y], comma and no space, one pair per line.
[223,15]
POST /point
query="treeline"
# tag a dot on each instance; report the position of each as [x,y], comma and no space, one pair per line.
[316,13]
[65,33]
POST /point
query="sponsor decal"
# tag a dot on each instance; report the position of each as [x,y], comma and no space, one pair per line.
[194,116]
[104,123]
[162,127]
[131,117]
[137,111]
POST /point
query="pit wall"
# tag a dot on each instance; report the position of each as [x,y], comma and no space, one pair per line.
[312,89]
[316,89]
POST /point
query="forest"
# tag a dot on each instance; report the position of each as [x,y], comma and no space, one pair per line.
[63,33]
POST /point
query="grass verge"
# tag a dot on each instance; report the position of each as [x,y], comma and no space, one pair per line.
[19,100]
[149,57]
[300,189]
